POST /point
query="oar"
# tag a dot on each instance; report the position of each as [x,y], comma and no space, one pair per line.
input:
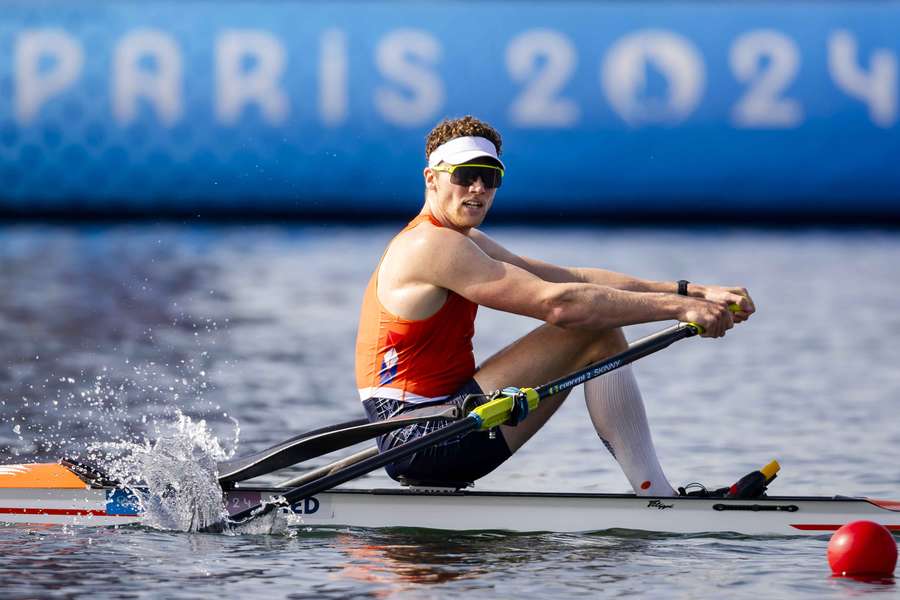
[322,441]
[487,416]
[329,468]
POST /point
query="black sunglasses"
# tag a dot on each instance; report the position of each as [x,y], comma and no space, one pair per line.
[491,176]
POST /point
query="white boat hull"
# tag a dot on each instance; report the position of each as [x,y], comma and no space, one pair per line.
[521,512]
[48,506]
[588,512]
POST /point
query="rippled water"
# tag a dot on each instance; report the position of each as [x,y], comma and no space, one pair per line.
[106,331]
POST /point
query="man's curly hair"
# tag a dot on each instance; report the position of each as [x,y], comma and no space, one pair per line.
[468,125]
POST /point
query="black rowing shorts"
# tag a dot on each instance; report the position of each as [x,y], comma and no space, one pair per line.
[458,461]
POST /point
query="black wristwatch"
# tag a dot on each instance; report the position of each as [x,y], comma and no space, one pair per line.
[682,287]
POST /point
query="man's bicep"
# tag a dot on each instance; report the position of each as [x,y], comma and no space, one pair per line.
[474,275]
[461,265]
[494,249]
[538,268]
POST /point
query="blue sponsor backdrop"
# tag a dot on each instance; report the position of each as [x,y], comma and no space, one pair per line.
[705,109]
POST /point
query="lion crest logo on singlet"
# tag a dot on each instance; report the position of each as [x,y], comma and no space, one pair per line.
[389,361]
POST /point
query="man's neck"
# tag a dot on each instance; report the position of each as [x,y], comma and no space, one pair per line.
[442,219]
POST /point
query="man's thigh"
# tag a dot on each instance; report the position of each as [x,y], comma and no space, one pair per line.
[542,355]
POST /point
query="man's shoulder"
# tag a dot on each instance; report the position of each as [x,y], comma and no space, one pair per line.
[428,237]
[428,254]
[420,262]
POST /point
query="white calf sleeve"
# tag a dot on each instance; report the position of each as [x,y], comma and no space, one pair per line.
[617,411]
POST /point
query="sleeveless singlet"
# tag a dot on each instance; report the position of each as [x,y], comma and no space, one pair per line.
[414,361]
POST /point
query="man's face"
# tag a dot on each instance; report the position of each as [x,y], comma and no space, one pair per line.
[459,206]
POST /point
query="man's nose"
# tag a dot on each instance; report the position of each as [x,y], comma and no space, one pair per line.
[477,185]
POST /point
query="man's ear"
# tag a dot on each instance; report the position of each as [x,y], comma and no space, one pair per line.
[430,178]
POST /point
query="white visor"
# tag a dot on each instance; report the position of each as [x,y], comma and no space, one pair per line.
[463,149]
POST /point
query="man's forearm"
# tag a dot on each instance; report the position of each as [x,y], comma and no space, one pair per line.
[621,281]
[601,307]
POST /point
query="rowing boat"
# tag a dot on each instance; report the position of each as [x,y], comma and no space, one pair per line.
[70,493]
[53,494]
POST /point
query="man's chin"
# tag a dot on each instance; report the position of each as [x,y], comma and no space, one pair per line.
[472,220]
[473,216]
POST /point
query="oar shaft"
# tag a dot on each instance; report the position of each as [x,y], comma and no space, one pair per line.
[469,423]
[323,441]
[385,458]
[329,468]
[639,349]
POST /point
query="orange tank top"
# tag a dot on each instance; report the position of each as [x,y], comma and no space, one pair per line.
[414,361]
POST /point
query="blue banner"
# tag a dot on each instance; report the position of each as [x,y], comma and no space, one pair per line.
[709,109]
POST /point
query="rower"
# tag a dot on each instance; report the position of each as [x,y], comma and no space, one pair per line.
[414,343]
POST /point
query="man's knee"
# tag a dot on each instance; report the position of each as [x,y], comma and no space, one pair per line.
[600,345]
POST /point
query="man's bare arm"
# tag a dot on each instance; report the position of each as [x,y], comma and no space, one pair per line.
[620,281]
[559,274]
[457,263]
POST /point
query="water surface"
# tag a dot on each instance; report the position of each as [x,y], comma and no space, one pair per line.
[105,331]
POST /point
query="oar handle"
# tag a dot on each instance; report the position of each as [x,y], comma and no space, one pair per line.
[735,308]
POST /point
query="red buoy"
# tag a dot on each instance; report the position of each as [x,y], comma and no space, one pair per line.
[862,548]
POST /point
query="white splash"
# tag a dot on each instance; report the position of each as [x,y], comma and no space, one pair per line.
[276,522]
[174,477]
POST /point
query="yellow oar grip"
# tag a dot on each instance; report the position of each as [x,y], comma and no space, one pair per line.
[497,411]
[732,307]
[699,328]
